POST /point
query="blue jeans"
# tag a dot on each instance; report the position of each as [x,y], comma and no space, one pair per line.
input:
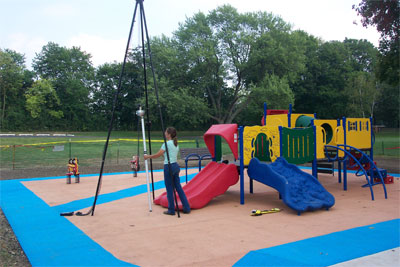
[175,169]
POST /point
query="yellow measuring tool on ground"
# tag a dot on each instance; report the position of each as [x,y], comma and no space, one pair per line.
[261,212]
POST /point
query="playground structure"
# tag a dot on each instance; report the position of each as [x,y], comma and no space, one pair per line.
[73,169]
[285,139]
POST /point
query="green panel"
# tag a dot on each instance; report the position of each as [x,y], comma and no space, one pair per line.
[262,147]
[218,148]
[298,145]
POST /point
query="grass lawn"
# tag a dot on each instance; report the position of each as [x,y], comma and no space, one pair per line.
[29,152]
[387,143]
[88,147]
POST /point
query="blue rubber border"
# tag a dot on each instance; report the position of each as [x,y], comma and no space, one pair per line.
[109,197]
[329,249]
[49,239]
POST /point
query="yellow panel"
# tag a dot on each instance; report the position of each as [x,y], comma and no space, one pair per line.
[250,134]
[321,142]
[274,142]
[358,133]
[277,120]
[333,124]
[339,138]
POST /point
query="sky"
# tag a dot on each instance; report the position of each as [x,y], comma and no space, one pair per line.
[101,27]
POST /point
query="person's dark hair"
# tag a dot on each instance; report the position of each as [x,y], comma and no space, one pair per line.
[172,132]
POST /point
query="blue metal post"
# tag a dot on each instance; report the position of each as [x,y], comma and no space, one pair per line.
[241,128]
[371,153]
[339,163]
[290,116]
[344,161]
[265,113]
[280,138]
[314,162]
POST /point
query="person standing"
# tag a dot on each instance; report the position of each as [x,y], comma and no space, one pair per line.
[171,179]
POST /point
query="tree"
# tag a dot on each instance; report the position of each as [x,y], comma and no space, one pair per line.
[363,55]
[203,65]
[43,103]
[363,92]
[322,87]
[387,111]
[105,85]
[179,108]
[226,52]
[171,61]
[385,16]
[71,73]
[273,90]
[362,86]
[11,83]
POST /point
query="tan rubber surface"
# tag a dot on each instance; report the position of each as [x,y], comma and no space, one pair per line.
[220,233]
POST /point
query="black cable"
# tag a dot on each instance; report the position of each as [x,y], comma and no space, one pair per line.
[148,124]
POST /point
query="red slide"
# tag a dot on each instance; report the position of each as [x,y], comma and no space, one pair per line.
[210,182]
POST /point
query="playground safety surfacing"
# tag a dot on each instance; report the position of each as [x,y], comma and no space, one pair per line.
[124,233]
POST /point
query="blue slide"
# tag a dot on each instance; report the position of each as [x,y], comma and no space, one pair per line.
[299,190]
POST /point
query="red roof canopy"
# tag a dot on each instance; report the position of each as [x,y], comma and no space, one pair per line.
[227,131]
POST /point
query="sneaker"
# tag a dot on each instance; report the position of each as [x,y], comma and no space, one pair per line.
[169,213]
[186,212]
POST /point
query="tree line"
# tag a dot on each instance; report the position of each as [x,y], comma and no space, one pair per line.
[218,67]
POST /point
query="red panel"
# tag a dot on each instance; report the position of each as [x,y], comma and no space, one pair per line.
[274,112]
[277,111]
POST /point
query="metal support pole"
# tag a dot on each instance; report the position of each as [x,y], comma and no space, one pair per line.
[241,147]
[140,113]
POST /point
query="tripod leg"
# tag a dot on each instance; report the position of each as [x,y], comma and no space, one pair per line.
[115,102]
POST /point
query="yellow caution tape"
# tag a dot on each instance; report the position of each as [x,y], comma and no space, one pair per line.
[91,141]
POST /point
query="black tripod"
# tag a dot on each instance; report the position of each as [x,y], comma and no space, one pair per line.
[143,25]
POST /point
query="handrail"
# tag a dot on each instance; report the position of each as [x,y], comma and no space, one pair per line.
[372,164]
[187,159]
[206,157]
[194,156]
[347,153]
[336,158]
